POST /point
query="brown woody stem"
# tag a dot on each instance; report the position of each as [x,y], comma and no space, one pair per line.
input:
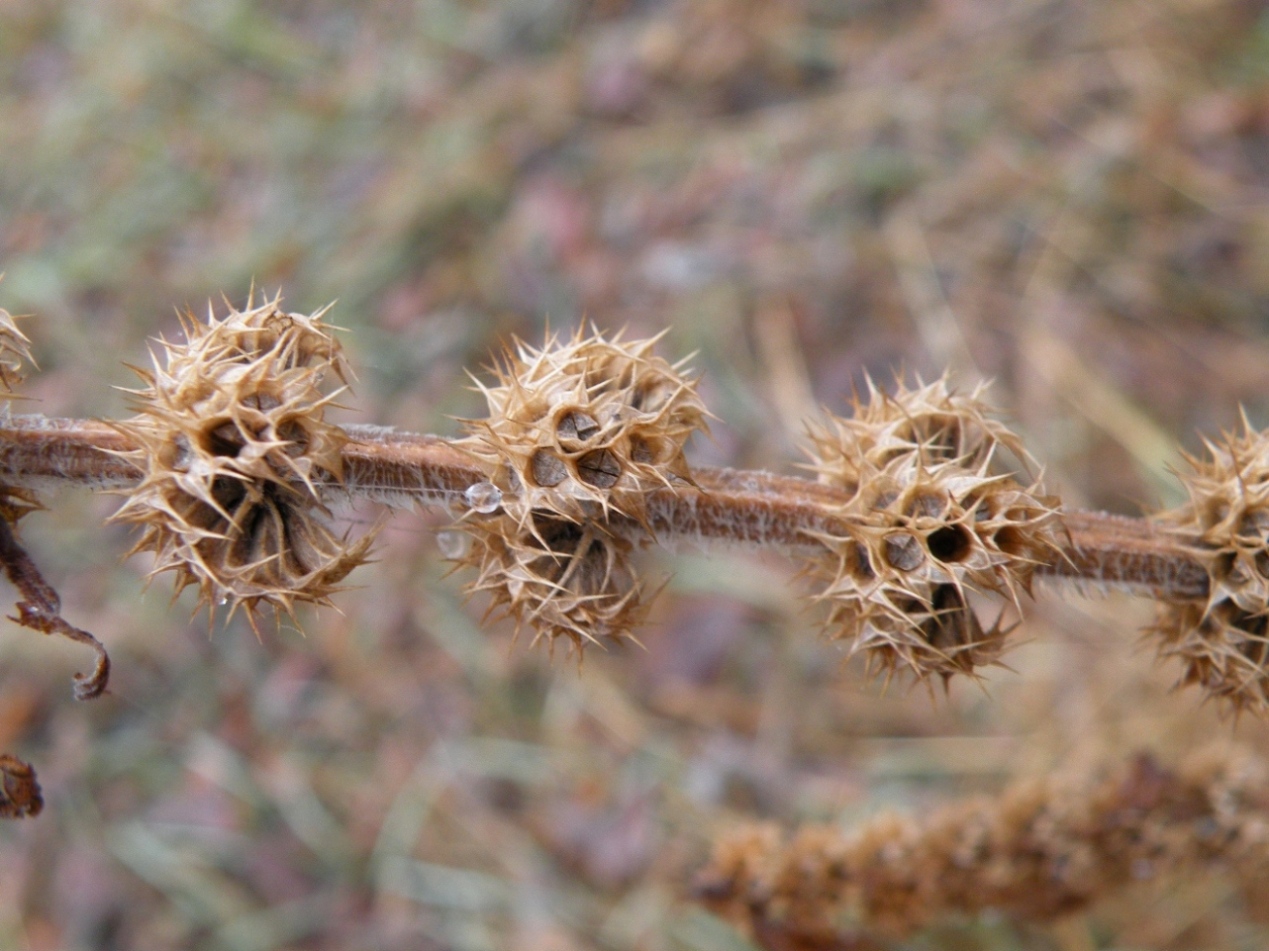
[743,508]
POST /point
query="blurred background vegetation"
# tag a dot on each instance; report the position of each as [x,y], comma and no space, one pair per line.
[1068,197]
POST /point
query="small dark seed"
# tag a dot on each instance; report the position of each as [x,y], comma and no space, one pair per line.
[599,468]
[950,544]
[576,427]
[548,469]
[930,504]
[223,440]
[904,551]
[883,499]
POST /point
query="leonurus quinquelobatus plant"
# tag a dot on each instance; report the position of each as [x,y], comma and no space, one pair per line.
[920,528]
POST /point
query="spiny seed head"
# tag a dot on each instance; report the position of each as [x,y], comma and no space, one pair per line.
[561,578]
[931,519]
[1222,644]
[1223,649]
[1228,514]
[929,423]
[235,447]
[587,425]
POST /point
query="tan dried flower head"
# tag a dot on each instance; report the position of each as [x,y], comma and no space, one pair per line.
[561,578]
[585,426]
[931,520]
[1222,644]
[235,449]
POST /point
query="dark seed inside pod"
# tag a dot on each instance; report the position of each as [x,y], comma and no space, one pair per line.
[904,551]
[575,428]
[224,439]
[950,544]
[599,468]
[548,469]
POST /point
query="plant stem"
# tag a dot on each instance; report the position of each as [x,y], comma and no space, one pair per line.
[733,507]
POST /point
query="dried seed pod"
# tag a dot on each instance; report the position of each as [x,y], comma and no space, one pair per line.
[584,426]
[235,449]
[561,578]
[933,519]
[1222,644]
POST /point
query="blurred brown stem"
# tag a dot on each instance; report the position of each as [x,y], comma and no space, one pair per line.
[740,508]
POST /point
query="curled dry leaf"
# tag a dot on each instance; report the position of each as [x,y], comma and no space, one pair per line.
[234,451]
[931,517]
[20,794]
[40,610]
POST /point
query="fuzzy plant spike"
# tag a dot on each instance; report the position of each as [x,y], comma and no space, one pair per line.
[930,518]
[235,450]
[1039,850]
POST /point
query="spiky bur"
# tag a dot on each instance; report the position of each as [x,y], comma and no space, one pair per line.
[578,433]
[1222,643]
[584,426]
[934,515]
[235,451]
[558,578]
[1040,850]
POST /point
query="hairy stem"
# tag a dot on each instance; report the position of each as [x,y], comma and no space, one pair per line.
[740,508]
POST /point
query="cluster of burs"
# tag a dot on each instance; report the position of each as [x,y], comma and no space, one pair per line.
[937,523]
[581,434]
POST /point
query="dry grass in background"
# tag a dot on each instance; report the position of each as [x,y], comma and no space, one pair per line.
[1066,197]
